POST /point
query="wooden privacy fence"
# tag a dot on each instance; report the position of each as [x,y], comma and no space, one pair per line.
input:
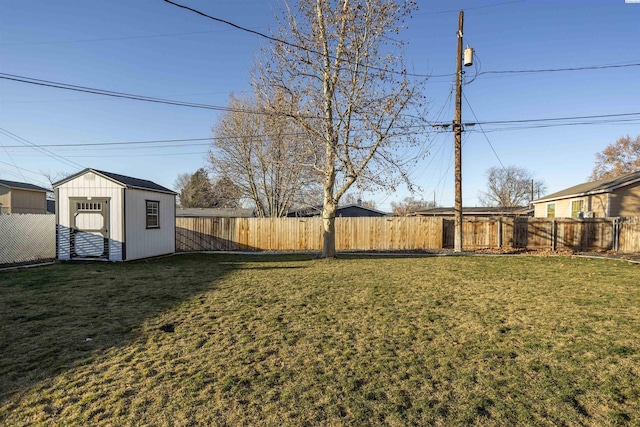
[629,235]
[305,234]
[406,234]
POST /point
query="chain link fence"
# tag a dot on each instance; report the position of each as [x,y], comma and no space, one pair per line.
[27,238]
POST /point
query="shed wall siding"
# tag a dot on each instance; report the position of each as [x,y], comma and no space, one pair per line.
[143,242]
[625,201]
[83,186]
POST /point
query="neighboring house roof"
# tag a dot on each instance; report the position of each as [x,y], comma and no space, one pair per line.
[21,186]
[317,211]
[215,212]
[477,211]
[127,181]
[361,207]
[602,186]
[305,212]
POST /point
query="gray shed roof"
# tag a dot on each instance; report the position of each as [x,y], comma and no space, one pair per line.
[21,185]
[127,181]
[602,186]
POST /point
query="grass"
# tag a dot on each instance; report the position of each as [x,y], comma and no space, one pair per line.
[287,340]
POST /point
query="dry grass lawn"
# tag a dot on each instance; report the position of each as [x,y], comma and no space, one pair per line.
[226,340]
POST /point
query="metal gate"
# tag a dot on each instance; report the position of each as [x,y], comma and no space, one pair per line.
[89,234]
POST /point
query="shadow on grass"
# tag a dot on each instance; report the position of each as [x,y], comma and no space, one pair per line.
[56,317]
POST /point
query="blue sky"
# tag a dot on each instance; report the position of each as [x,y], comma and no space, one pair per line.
[151,48]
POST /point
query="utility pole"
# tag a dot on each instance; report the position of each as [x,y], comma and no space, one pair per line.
[457,132]
[532,190]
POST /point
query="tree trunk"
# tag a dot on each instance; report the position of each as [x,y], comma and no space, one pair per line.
[329,231]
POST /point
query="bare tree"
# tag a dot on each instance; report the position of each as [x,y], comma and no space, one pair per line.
[56,176]
[510,187]
[353,199]
[264,156]
[619,158]
[225,193]
[181,180]
[346,87]
[410,205]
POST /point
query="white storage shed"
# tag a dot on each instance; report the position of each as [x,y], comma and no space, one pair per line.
[103,215]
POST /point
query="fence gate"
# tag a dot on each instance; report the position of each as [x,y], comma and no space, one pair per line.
[89,234]
[448,233]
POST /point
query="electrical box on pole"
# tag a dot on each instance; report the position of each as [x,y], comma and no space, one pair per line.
[468,56]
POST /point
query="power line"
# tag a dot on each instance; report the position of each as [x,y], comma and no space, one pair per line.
[601,122]
[101,156]
[443,125]
[88,144]
[41,101]
[12,161]
[160,141]
[41,150]
[555,70]
[20,169]
[404,72]
[150,36]
[115,94]
[296,46]
[423,149]
[612,118]
[598,116]
[95,91]
[435,12]
[13,174]
[483,132]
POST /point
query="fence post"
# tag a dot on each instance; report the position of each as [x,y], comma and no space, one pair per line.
[616,234]
[500,233]
[554,235]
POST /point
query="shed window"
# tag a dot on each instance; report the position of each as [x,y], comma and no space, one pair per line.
[153,214]
[551,210]
[89,206]
[577,208]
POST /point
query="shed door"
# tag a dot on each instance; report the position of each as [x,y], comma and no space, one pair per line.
[89,227]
